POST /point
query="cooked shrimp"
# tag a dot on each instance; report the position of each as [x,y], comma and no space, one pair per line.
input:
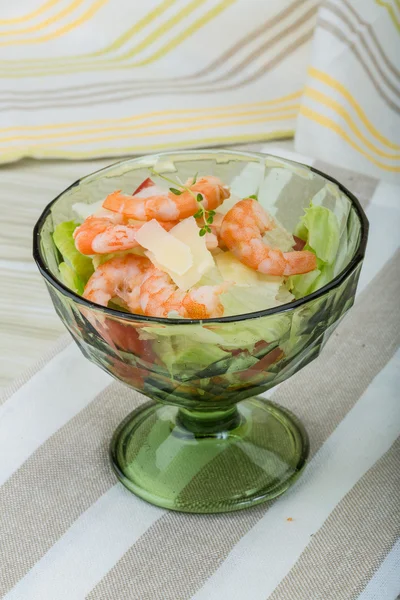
[242,230]
[159,296]
[101,235]
[151,204]
[119,277]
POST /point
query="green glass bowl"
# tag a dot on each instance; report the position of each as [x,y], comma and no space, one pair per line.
[205,442]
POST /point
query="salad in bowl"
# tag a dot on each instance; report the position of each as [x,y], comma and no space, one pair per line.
[185,251]
[202,279]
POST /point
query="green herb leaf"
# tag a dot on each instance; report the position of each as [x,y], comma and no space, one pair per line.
[175,191]
[198,214]
[194,179]
[210,219]
[211,213]
[208,229]
[199,198]
[202,232]
[254,197]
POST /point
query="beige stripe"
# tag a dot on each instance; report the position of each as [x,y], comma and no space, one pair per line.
[61,480]
[367,47]
[371,31]
[337,33]
[270,44]
[194,546]
[182,87]
[344,554]
[256,33]
[20,381]
[361,186]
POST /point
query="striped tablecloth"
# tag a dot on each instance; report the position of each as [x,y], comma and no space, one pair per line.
[69,531]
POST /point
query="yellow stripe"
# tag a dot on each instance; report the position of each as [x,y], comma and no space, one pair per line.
[178,130]
[391,12]
[136,28]
[59,32]
[111,64]
[330,124]
[209,16]
[32,15]
[338,108]
[57,17]
[333,83]
[161,30]
[158,113]
[218,116]
[215,141]
[147,42]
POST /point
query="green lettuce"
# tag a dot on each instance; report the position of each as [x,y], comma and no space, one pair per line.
[183,356]
[70,278]
[81,265]
[319,228]
[195,349]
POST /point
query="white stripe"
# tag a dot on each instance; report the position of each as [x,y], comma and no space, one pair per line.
[89,549]
[44,404]
[383,239]
[18,265]
[269,550]
[385,584]
[386,195]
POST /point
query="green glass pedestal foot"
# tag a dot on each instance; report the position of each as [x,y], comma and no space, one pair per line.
[209,462]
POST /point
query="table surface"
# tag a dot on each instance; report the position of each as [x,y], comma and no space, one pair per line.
[332,510]
[28,322]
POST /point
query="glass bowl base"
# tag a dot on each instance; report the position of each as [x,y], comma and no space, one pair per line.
[209,462]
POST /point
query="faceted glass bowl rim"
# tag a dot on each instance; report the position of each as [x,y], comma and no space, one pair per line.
[336,281]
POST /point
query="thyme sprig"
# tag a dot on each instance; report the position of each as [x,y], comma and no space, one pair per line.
[206,215]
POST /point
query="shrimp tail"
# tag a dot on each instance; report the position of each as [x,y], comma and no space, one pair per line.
[298,262]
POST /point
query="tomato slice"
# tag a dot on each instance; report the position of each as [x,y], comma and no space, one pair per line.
[126,337]
[299,245]
[145,184]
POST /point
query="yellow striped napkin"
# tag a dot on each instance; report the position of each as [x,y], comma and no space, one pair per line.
[86,78]
[89,78]
[350,111]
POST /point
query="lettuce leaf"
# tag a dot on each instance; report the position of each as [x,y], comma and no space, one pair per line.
[81,265]
[253,298]
[319,227]
[187,357]
[71,279]
[191,350]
